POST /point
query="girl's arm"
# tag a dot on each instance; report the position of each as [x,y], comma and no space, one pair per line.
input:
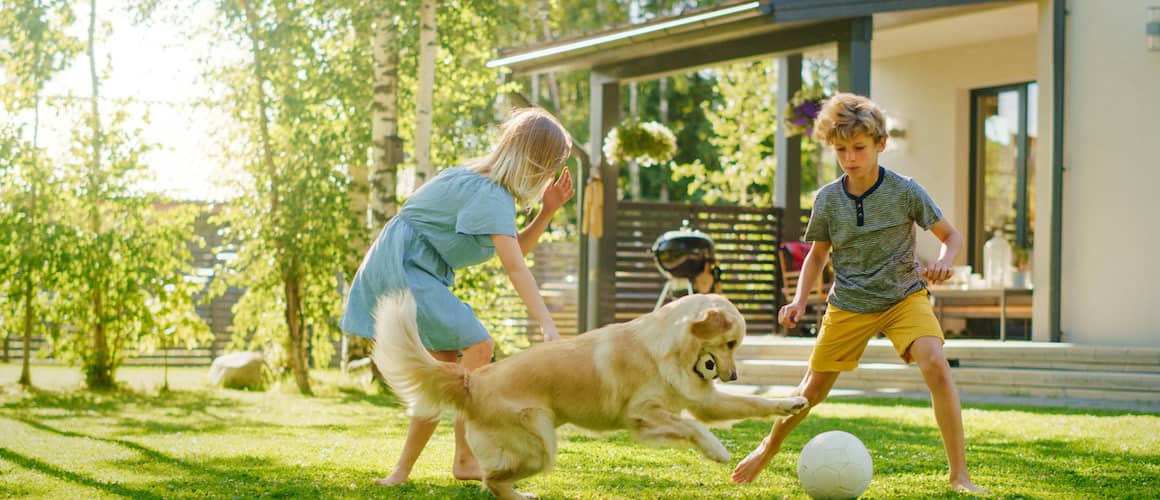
[941,269]
[555,197]
[521,277]
[812,267]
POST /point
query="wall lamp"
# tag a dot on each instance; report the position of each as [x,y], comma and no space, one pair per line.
[1153,28]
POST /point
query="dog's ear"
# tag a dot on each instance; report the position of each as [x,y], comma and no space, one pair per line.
[711,324]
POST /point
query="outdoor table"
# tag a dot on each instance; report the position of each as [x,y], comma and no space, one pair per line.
[941,293]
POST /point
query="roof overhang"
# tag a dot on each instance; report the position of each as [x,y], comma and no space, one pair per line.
[723,33]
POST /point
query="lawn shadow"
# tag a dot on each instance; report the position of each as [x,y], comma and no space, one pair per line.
[384,399]
[73,477]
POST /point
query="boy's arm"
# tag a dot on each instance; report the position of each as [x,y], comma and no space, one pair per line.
[508,250]
[812,267]
[941,270]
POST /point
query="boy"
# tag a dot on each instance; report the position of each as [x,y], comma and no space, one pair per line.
[866,218]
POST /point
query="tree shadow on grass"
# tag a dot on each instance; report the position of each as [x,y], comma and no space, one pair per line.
[383,399]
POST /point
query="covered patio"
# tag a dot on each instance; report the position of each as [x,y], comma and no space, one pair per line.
[742,31]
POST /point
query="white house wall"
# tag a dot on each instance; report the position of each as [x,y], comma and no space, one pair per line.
[929,92]
[1112,137]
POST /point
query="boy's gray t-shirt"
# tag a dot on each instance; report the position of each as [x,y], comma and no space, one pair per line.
[872,240]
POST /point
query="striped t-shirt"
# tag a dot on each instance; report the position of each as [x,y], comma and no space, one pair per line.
[872,239]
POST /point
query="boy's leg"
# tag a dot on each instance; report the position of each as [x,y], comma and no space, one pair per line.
[418,434]
[466,467]
[815,387]
[927,352]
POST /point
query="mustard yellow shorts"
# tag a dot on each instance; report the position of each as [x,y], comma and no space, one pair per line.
[844,334]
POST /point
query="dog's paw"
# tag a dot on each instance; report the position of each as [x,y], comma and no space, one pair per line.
[717,452]
[799,403]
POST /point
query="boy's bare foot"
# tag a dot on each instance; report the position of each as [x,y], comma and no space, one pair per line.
[752,465]
[397,477]
[966,486]
[467,469]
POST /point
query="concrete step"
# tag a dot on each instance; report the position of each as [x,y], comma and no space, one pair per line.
[980,353]
[1107,385]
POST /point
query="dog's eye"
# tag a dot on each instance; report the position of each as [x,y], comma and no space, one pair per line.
[731,344]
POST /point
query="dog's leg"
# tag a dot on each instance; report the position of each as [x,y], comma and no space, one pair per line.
[723,406]
[521,446]
[656,425]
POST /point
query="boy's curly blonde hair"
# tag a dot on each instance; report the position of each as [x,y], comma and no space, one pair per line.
[845,115]
[532,147]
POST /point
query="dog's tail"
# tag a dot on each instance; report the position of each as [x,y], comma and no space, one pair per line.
[427,385]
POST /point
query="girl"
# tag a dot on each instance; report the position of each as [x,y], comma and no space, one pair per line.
[460,218]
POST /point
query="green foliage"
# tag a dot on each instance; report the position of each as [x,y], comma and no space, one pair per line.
[744,124]
[36,46]
[303,106]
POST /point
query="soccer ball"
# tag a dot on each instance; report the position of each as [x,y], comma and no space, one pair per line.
[834,465]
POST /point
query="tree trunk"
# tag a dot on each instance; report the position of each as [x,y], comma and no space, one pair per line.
[288,265]
[25,364]
[424,97]
[99,372]
[386,146]
[546,34]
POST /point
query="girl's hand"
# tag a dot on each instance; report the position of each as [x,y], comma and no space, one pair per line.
[559,192]
[790,314]
[550,333]
[937,272]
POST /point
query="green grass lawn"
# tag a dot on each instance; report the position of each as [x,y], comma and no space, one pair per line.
[59,441]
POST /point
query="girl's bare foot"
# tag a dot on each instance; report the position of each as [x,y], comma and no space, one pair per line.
[467,469]
[752,465]
[399,476]
[965,485]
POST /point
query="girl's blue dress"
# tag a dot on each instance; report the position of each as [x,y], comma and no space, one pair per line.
[446,225]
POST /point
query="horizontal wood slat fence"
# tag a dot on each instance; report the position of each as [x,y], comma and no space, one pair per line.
[745,240]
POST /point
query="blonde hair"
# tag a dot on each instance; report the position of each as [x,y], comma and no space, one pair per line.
[845,115]
[532,147]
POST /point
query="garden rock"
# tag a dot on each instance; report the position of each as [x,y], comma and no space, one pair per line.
[238,370]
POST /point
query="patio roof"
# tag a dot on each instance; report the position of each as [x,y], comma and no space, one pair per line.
[730,31]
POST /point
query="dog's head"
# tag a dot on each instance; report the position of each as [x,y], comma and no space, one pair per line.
[710,331]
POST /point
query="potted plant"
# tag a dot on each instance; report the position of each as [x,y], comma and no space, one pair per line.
[1021,262]
[803,110]
[647,143]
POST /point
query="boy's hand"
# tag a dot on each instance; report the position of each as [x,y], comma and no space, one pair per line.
[790,314]
[559,192]
[937,272]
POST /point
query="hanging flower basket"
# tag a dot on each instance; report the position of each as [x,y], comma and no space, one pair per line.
[803,110]
[647,143]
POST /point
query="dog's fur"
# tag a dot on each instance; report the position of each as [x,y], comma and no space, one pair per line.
[638,376]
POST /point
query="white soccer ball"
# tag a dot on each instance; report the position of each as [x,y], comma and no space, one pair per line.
[835,465]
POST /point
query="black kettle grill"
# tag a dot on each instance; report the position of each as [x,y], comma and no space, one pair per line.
[683,253]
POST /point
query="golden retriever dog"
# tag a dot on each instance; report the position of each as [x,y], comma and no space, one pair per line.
[640,376]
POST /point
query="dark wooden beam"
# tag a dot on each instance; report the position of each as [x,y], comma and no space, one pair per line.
[598,255]
[785,40]
[813,10]
[854,57]
[788,176]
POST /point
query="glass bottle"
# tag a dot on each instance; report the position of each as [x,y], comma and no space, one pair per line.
[996,261]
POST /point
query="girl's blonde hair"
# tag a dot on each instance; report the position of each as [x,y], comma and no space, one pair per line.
[532,147]
[845,115]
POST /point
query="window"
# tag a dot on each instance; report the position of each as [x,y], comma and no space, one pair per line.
[1004,131]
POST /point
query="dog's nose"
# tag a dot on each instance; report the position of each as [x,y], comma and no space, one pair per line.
[733,376]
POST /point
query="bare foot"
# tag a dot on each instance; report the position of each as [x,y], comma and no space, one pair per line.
[966,486]
[467,469]
[752,465]
[397,477]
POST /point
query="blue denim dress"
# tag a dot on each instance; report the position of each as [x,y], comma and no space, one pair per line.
[446,225]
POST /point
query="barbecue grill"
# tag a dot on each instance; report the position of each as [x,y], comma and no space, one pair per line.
[681,255]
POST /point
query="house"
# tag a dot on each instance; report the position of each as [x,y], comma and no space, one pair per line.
[1038,116]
